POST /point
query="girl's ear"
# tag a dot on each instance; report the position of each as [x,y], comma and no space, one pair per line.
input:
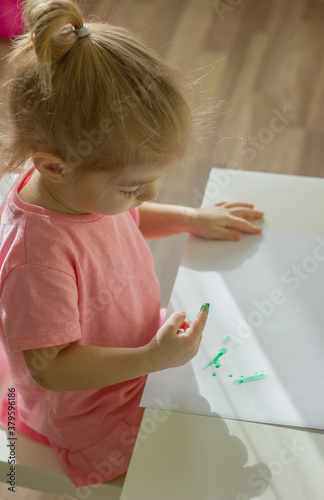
[51,166]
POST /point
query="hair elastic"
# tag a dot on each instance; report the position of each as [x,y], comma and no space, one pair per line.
[84,31]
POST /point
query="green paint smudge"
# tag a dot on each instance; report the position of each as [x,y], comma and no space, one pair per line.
[253,378]
[230,375]
[215,360]
[226,339]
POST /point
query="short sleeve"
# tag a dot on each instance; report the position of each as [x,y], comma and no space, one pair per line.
[135,215]
[39,308]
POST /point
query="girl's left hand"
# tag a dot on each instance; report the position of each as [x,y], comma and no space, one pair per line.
[224,221]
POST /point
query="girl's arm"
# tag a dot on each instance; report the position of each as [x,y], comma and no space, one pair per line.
[223,220]
[80,367]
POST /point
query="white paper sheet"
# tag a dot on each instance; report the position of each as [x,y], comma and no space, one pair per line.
[267,311]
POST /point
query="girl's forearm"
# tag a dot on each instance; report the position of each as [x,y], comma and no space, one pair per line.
[158,220]
[78,368]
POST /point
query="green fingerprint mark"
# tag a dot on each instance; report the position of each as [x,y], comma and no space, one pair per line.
[215,360]
[226,339]
[253,378]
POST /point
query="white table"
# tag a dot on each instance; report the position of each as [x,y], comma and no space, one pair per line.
[181,456]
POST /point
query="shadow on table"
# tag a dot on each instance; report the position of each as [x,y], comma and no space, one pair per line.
[194,457]
[221,255]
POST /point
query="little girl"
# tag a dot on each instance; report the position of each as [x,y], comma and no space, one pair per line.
[99,118]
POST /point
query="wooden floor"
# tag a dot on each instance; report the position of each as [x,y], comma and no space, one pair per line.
[260,63]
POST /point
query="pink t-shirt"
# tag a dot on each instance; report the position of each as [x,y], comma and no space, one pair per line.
[87,280]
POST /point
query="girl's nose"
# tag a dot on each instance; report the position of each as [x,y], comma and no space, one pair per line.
[149,192]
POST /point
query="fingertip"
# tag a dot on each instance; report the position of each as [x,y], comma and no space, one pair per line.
[178,316]
[205,307]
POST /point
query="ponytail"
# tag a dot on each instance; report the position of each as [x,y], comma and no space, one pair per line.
[49,34]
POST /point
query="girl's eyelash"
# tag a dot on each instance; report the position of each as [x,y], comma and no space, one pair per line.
[131,193]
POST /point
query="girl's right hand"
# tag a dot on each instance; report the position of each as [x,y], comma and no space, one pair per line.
[170,347]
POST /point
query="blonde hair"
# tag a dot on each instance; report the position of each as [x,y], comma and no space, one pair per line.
[101,102]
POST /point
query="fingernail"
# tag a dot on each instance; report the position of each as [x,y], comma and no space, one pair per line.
[205,307]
